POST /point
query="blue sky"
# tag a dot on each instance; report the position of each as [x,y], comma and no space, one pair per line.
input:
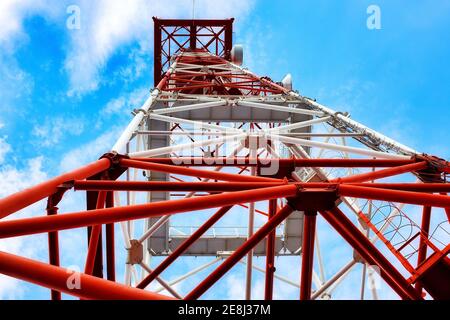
[66,94]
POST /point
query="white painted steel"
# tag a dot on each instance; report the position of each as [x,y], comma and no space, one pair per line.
[127,134]
[197,124]
[189,107]
[297,125]
[179,147]
[267,106]
[310,143]
[165,285]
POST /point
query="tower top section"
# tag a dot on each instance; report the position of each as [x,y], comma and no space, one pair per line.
[172,36]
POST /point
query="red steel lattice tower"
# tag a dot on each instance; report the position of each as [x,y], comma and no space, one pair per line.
[214,140]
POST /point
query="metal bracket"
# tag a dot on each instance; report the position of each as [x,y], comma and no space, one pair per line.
[135,252]
[314,200]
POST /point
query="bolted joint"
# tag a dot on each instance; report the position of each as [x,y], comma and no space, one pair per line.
[357,257]
[363,220]
[435,171]
[135,253]
[313,200]
[55,198]
[114,158]
[435,164]
[115,169]
[136,111]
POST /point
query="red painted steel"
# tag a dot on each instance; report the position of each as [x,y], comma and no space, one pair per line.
[447,209]
[423,246]
[270,255]
[419,198]
[225,161]
[94,237]
[172,186]
[170,35]
[193,172]
[337,219]
[215,36]
[309,233]
[22,199]
[374,175]
[35,225]
[58,278]
[183,247]
[239,253]
[53,250]
[97,185]
[110,247]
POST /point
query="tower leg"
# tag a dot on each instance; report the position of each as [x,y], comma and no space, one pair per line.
[309,231]
[270,260]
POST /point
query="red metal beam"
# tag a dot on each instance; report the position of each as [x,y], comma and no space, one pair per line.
[270,254]
[173,169]
[20,227]
[195,30]
[56,278]
[53,250]
[171,185]
[447,209]
[110,250]
[338,220]
[309,232]
[22,199]
[374,175]
[423,199]
[98,185]
[419,187]
[94,237]
[239,253]
[223,161]
[425,229]
[183,247]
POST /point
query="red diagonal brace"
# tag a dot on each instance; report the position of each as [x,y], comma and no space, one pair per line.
[183,247]
[337,219]
[57,278]
[270,252]
[379,174]
[94,237]
[309,232]
[193,172]
[35,225]
[240,253]
[394,195]
[22,199]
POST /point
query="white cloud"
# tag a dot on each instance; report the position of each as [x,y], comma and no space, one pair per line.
[140,60]
[53,129]
[14,12]
[12,180]
[126,102]
[15,85]
[4,149]
[90,151]
[123,105]
[108,25]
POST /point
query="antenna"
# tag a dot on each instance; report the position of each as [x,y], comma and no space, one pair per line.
[193,9]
